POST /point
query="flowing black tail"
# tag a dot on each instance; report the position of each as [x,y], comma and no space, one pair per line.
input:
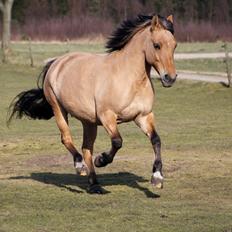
[32,103]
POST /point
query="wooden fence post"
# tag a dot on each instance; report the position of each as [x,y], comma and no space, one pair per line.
[67,45]
[30,53]
[227,63]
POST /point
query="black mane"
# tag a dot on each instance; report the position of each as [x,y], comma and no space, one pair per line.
[122,35]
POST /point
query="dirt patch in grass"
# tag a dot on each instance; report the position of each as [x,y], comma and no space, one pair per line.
[50,161]
[171,168]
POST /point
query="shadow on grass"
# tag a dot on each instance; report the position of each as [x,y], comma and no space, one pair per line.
[66,180]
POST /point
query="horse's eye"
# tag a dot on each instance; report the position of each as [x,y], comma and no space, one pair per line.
[156,46]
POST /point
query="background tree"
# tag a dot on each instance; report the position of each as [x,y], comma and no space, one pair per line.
[5,7]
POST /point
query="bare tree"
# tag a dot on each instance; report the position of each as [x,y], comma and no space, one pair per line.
[5,7]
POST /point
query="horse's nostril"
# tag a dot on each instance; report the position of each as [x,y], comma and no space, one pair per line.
[166,78]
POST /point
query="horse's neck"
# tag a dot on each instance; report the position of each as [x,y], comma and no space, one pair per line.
[132,57]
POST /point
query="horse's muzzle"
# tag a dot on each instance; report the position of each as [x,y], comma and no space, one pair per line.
[168,81]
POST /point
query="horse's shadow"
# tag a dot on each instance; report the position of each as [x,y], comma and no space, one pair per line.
[71,181]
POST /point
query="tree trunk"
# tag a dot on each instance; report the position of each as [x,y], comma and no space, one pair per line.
[5,7]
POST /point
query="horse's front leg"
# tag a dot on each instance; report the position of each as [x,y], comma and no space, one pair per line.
[147,124]
[109,121]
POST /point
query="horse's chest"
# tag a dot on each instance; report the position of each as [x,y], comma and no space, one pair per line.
[141,104]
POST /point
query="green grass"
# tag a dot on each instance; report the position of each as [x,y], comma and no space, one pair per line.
[39,190]
[202,65]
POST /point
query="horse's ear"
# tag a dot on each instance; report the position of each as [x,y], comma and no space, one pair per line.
[155,23]
[170,18]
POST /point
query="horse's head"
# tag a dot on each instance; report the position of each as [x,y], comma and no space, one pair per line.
[160,49]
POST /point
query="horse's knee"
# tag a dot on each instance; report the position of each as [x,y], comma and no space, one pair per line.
[117,142]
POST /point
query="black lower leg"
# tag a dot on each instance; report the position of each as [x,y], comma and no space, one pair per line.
[156,143]
[77,157]
[116,144]
[107,157]
[94,187]
[92,178]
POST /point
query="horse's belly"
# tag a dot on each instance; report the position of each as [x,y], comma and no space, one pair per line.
[79,111]
[78,103]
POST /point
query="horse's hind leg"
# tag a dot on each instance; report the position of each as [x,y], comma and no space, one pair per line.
[66,138]
[147,124]
[109,121]
[89,136]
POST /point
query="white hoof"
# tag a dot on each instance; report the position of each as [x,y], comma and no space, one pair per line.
[157,180]
[81,168]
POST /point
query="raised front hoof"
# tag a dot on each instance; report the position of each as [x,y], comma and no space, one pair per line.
[157,180]
[81,169]
[95,189]
[101,160]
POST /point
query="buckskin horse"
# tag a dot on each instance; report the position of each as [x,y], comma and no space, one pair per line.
[106,89]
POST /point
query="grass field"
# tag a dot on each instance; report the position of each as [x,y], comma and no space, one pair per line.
[39,190]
